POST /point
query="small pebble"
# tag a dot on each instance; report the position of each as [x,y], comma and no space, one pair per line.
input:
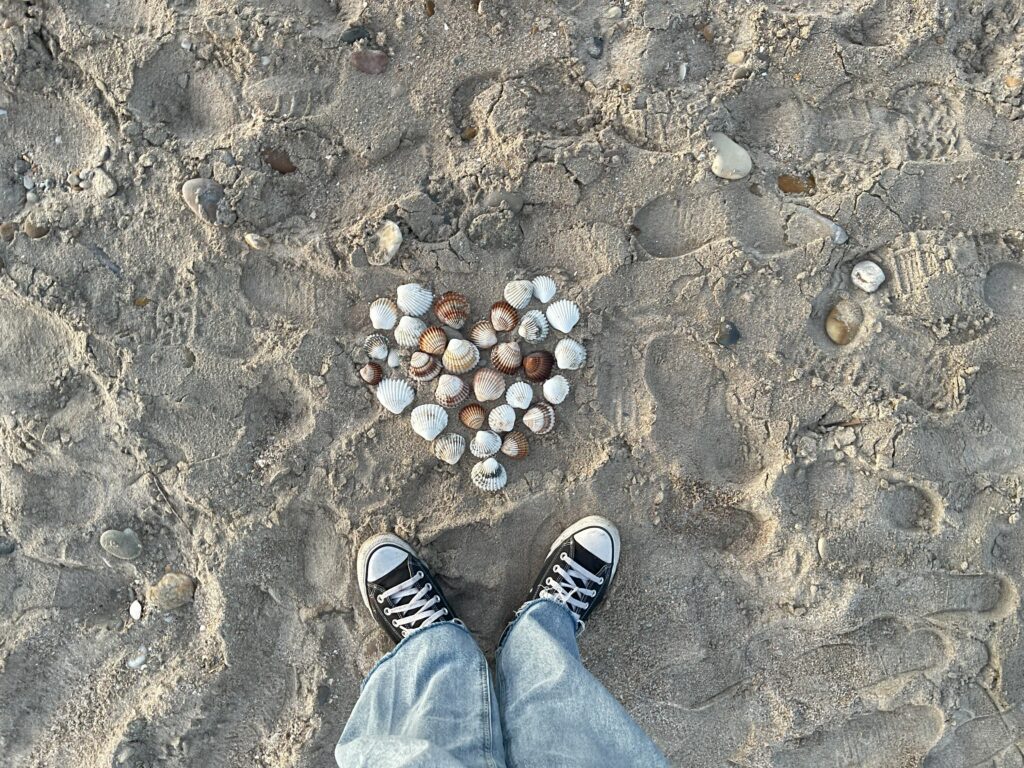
[731,161]
[172,591]
[596,47]
[736,57]
[8,231]
[256,242]
[354,33]
[7,546]
[135,610]
[102,183]
[34,229]
[843,322]
[369,61]
[728,334]
[138,660]
[124,545]
[867,276]
[203,197]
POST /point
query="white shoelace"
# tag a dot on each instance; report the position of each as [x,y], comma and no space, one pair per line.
[417,610]
[572,586]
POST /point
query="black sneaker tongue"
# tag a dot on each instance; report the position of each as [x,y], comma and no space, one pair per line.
[393,578]
[587,559]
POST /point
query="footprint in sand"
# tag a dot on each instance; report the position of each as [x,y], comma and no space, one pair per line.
[1004,289]
[693,427]
[940,596]
[881,739]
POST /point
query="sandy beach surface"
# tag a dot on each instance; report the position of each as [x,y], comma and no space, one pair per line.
[823,543]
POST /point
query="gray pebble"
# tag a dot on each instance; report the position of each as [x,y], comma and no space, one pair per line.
[7,546]
[203,196]
[172,591]
[124,545]
[102,184]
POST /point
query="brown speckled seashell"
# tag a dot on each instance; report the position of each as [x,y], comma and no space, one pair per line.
[540,418]
[473,415]
[506,357]
[537,365]
[515,445]
[482,334]
[423,367]
[434,340]
[371,373]
[450,391]
[504,316]
[452,309]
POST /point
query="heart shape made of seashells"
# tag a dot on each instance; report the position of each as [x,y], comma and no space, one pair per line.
[502,395]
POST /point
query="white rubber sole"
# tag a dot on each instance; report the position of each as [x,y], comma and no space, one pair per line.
[368,548]
[593,521]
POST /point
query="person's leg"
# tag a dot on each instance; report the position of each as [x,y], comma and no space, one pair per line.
[429,703]
[554,712]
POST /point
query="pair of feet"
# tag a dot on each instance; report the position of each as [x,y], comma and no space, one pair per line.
[403,595]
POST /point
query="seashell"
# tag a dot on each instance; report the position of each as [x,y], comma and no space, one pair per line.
[482,334]
[450,391]
[570,355]
[501,419]
[449,447]
[428,421]
[488,475]
[434,341]
[518,293]
[563,315]
[408,332]
[506,357]
[395,394]
[515,445]
[556,389]
[540,419]
[504,316]
[414,299]
[534,326]
[867,276]
[484,444]
[460,356]
[473,415]
[383,314]
[843,322]
[488,384]
[452,309]
[519,395]
[423,367]
[537,365]
[394,359]
[544,289]
[371,373]
[376,347]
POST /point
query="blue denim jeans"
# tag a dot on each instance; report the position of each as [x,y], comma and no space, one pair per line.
[430,704]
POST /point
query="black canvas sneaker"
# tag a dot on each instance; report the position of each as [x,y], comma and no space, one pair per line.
[580,567]
[398,588]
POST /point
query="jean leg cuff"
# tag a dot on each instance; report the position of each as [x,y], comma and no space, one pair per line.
[415,638]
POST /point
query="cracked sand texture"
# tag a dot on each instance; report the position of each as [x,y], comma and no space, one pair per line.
[823,545]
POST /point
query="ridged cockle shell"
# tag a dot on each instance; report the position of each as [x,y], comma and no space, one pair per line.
[408,332]
[518,293]
[488,384]
[537,365]
[383,314]
[570,354]
[376,347]
[501,419]
[563,315]
[540,418]
[485,443]
[504,316]
[488,475]
[506,357]
[544,289]
[395,394]
[423,367]
[450,390]
[428,421]
[533,327]
[460,356]
[449,447]
[473,415]
[482,334]
[452,309]
[414,299]
[434,341]
[556,389]
[519,395]
[515,445]
[371,373]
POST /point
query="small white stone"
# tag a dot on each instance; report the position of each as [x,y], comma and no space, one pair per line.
[389,238]
[867,276]
[138,661]
[102,183]
[135,610]
[731,161]
[255,241]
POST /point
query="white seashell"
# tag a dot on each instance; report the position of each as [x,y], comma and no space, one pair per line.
[383,314]
[570,355]
[450,391]
[408,332]
[540,419]
[394,358]
[449,447]
[519,395]
[731,161]
[502,419]
[518,293]
[544,289]
[482,334]
[484,443]
[556,389]
[414,299]
[389,238]
[488,384]
[534,326]
[488,475]
[395,394]
[376,347]
[563,315]
[428,421]
[138,661]
[867,276]
[460,356]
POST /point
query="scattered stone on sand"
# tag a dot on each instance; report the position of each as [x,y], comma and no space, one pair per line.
[389,240]
[124,545]
[172,591]
[138,661]
[867,276]
[135,610]
[256,242]
[203,197]
[7,546]
[728,334]
[103,184]
[370,61]
[836,232]
[736,57]
[354,34]
[8,231]
[731,161]
[35,228]
[843,322]
[796,185]
[596,47]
